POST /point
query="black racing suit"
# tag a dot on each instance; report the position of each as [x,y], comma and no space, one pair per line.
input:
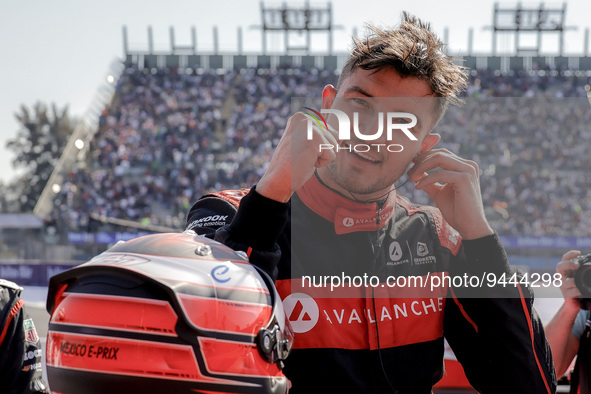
[376,338]
[581,376]
[20,348]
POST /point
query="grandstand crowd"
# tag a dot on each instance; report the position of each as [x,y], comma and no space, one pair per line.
[172,135]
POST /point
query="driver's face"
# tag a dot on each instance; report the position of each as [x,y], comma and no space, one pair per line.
[370,173]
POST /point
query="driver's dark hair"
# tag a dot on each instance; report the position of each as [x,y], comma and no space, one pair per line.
[413,50]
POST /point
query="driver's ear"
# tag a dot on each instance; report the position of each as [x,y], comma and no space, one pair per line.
[429,142]
[328,95]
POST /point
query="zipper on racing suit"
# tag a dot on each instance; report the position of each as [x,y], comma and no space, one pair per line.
[377,247]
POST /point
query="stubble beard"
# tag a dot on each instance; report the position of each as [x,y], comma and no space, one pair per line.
[352,184]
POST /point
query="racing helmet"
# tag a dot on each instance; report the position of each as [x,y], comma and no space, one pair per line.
[166,313]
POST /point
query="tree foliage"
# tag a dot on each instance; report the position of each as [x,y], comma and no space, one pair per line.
[37,147]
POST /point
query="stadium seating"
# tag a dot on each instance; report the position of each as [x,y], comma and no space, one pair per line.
[171,135]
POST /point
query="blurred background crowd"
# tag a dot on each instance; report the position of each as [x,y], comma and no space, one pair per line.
[171,135]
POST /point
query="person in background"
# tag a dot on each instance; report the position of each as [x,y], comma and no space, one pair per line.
[569,331]
[20,347]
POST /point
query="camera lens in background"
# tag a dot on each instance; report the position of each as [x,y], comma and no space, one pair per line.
[583,281]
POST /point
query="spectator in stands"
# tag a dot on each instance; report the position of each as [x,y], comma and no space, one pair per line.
[171,135]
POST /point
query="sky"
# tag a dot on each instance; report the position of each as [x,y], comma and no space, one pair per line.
[60,51]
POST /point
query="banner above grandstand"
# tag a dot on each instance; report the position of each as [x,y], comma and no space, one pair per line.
[101,237]
[510,242]
[562,243]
